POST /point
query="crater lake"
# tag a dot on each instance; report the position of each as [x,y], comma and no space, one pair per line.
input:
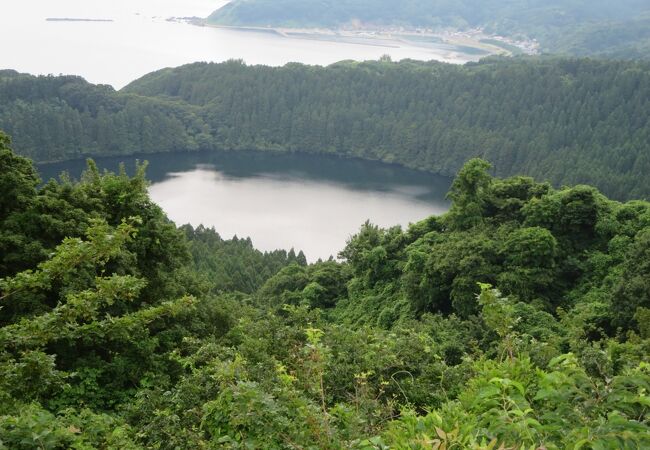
[307,202]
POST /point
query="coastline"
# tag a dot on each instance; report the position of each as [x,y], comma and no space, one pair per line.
[468,42]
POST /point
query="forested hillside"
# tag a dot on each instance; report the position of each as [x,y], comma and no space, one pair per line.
[518,320]
[65,117]
[577,27]
[568,121]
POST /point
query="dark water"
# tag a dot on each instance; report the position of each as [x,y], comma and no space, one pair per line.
[307,202]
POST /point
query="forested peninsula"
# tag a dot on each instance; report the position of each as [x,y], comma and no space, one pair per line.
[568,121]
[618,29]
[517,320]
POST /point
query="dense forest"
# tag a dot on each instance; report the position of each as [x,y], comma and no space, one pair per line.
[518,320]
[576,27]
[568,121]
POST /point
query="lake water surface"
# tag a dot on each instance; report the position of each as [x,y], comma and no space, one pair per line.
[308,202]
[140,40]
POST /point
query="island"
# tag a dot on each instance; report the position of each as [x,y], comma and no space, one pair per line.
[73,19]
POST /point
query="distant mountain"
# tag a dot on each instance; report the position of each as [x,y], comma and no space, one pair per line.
[577,27]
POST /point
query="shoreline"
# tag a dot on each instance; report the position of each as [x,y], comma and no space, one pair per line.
[142,157]
[455,42]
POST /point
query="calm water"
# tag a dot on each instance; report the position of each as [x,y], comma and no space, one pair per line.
[141,40]
[307,202]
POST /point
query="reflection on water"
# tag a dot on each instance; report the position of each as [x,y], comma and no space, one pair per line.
[308,202]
